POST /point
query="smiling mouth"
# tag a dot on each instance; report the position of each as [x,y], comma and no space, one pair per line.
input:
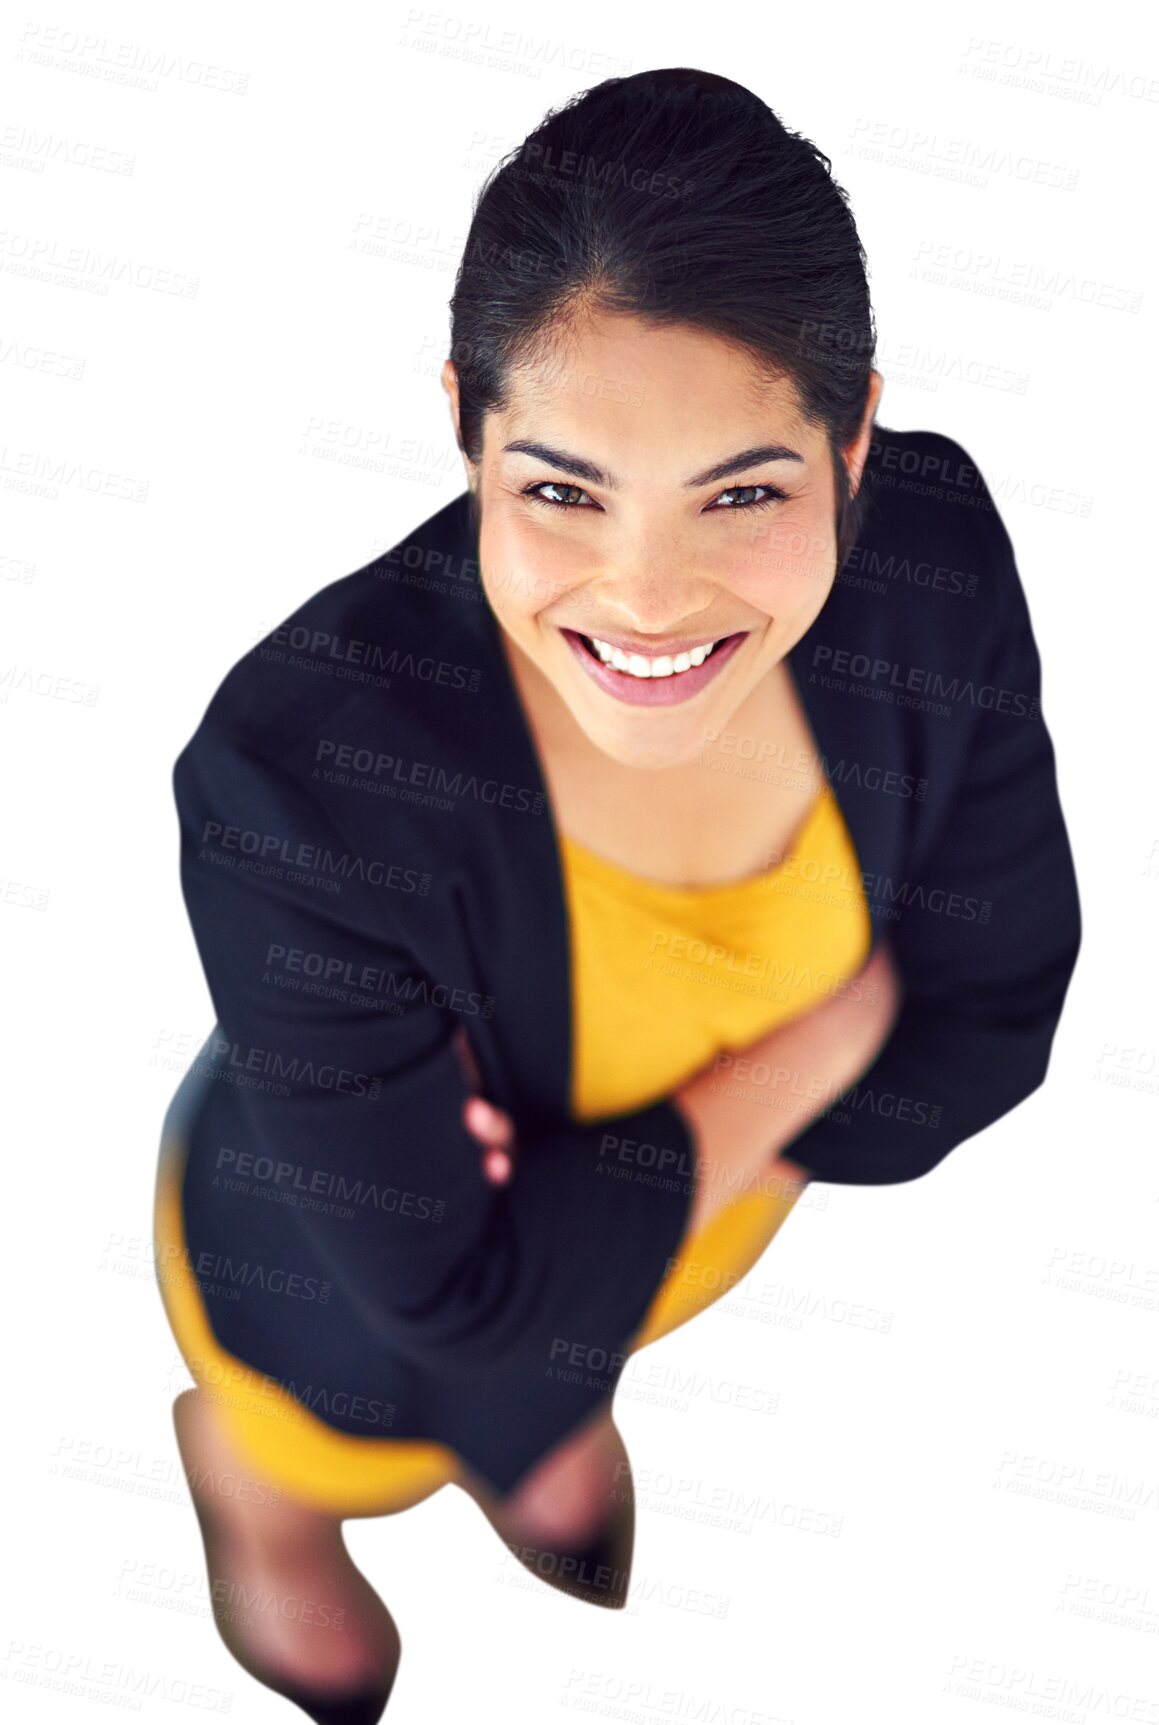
[637,665]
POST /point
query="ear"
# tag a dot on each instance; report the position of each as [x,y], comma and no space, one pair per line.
[857,453]
[449,378]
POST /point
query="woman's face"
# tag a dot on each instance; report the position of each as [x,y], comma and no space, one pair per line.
[647,490]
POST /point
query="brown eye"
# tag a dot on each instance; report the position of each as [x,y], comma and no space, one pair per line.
[775,495]
[552,485]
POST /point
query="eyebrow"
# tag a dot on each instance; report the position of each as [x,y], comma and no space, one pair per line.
[579,468]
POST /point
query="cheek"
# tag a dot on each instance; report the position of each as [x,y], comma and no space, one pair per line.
[786,563]
[526,569]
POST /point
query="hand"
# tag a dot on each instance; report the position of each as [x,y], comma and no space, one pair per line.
[739,1133]
[492,1126]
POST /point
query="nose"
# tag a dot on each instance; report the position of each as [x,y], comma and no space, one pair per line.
[652,601]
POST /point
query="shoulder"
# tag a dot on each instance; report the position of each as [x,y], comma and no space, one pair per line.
[934,559]
[363,659]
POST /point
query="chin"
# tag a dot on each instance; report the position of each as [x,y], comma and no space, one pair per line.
[681,745]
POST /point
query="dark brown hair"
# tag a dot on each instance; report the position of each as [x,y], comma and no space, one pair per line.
[677,196]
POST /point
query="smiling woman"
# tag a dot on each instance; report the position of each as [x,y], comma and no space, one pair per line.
[694,588]
[652,766]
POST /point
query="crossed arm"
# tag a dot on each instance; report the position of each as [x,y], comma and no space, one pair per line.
[740,1139]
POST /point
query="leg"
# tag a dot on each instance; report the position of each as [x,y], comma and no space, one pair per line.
[571,1519]
[288,1600]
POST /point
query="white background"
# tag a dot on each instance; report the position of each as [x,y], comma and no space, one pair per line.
[986,1465]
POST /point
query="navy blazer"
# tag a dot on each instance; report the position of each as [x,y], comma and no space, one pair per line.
[369,860]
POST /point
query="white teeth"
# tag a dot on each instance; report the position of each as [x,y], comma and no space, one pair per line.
[635,665]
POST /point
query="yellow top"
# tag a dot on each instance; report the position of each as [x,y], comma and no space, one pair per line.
[663,977]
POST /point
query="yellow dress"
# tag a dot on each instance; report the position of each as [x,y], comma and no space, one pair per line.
[663,979]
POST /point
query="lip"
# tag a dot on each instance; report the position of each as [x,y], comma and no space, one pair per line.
[654,691]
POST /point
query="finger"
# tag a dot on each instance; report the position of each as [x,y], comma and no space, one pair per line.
[487,1122]
[497,1167]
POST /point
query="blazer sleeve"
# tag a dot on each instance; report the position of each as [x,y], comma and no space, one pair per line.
[985,944]
[349,1093]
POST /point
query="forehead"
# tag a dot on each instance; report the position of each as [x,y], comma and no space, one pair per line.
[624,371]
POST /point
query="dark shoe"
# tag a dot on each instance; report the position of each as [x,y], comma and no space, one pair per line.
[356,1707]
[599,1572]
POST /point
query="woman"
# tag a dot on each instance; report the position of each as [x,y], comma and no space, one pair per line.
[542,872]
